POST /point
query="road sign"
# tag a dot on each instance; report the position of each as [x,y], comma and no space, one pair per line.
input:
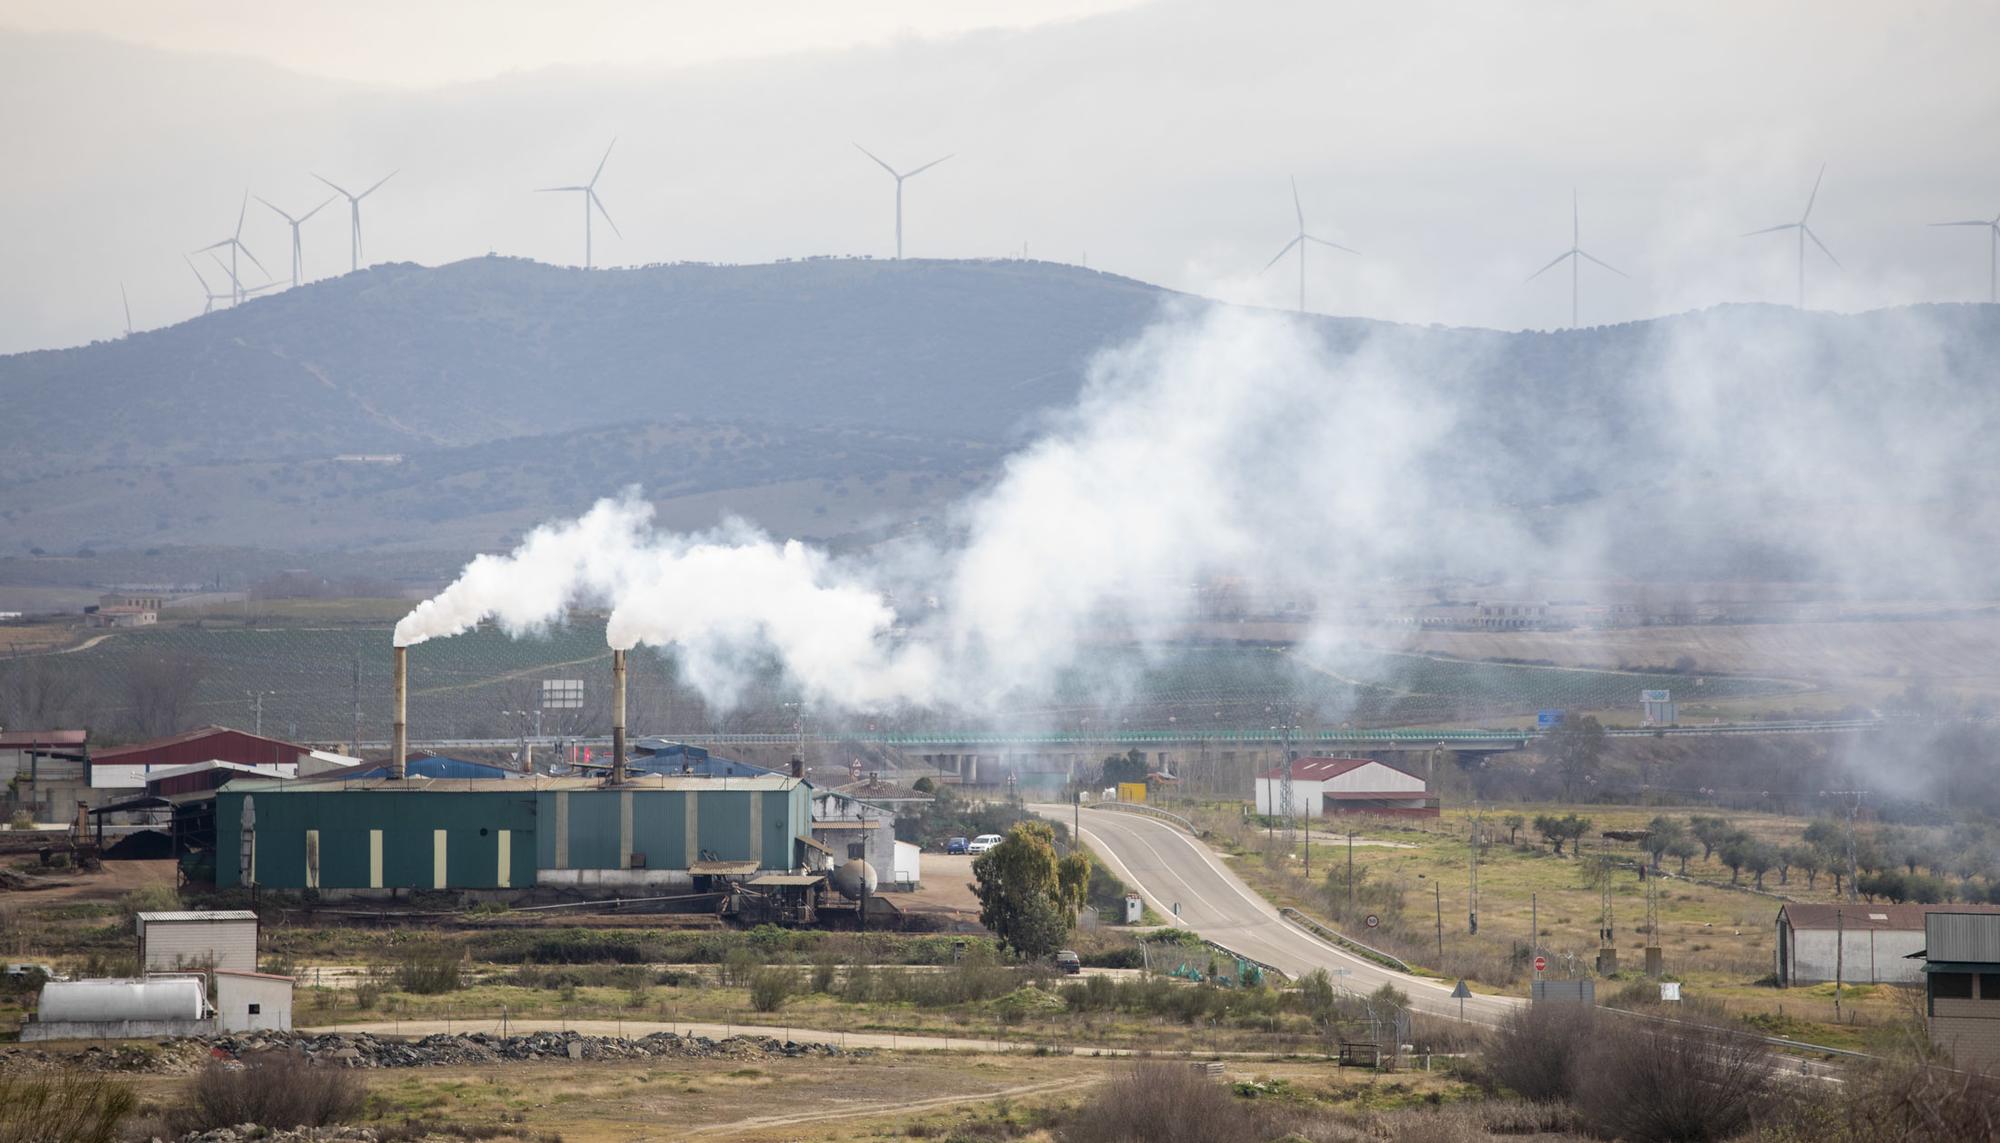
[1544,719]
[1461,994]
[1670,990]
[1541,963]
[1371,920]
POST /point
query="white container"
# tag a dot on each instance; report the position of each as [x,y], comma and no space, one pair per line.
[105,1001]
[1135,909]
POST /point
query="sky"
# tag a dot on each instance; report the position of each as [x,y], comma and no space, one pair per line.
[1159,140]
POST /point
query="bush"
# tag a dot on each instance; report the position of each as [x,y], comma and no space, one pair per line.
[770,988]
[151,899]
[1534,1051]
[67,1105]
[1671,1083]
[428,970]
[276,1091]
[1164,1103]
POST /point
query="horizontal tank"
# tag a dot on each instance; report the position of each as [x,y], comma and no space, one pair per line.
[102,1001]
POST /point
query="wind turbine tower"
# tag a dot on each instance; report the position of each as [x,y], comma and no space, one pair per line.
[354,213]
[1805,232]
[209,296]
[899,176]
[1992,226]
[235,244]
[123,297]
[1300,240]
[1575,254]
[298,258]
[590,199]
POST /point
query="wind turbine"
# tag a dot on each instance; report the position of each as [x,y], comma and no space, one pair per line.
[899,176]
[1299,240]
[1576,254]
[354,212]
[298,256]
[235,244]
[208,292]
[1805,232]
[590,199]
[123,297]
[1992,226]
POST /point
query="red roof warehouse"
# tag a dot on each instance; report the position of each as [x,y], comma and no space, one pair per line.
[127,766]
[1345,786]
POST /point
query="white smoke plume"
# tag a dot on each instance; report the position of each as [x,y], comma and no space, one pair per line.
[1231,444]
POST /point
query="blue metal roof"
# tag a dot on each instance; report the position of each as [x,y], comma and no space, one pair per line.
[435,766]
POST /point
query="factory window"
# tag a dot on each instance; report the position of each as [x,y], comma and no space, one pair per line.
[256,1009]
[1989,986]
[857,850]
[1951,986]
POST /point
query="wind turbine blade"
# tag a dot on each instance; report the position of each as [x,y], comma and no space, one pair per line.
[1552,265]
[1772,229]
[1974,222]
[1335,245]
[252,257]
[878,162]
[1813,196]
[317,209]
[212,246]
[1281,254]
[604,160]
[335,186]
[1604,264]
[1575,221]
[550,190]
[282,214]
[607,214]
[1297,209]
[240,212]
[377,186]
[925,167]
[196,272]
[1822,247]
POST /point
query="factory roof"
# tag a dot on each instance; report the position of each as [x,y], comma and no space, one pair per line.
[1864,916]
[762,782]
[197,915]
[787,879]
[25,739]
[723,868]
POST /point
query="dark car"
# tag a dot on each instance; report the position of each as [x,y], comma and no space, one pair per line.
[956,845]
[1067,961]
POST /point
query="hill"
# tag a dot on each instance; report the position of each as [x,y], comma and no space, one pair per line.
[842,399]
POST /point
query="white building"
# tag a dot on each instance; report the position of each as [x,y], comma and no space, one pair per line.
[1866,944]
[223,940]
[252,1002]
[1323,786]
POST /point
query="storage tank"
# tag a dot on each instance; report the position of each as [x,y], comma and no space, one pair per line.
[104,1001]
[850,879]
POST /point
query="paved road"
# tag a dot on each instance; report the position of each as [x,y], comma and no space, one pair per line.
[1168,867]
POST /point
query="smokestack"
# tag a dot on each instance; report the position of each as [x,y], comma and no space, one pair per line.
[399,734]
[617,716]
[798,765]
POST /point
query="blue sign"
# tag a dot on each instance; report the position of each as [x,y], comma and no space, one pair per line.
[1547,718]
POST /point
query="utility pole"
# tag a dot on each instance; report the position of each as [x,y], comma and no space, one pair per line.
[1472,873]
[1839,957]
[355,742]
[257,704]
[1534,931]
[1437,895]
[1853,807]
[1350,875]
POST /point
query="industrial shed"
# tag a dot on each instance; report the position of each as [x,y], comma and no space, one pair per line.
[384,835]
[197,939]
[1864,943]
[1345,786]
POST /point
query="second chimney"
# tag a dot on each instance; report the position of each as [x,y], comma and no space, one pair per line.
[617,716]
[399,736]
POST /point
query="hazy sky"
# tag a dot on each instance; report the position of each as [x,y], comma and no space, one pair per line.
[1156,140]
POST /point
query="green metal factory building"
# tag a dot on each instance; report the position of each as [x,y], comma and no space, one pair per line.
[382,835]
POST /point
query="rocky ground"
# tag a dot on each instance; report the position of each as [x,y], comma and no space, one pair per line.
[365,1050]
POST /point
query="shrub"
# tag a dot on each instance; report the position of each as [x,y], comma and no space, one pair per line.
[65,1105]
[1164,1103]
[1671,1083]
[151,899]
[822,973]
[428,970]
[770,988]
[1534,1051]
[277,1091]
[738,967]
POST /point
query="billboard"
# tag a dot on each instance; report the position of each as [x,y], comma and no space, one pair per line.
[1545,719]
[562,694]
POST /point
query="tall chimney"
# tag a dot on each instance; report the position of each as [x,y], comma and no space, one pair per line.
[399,735]
[617,716]
[798,765]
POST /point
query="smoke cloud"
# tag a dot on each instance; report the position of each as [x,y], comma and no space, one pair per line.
[1363,474]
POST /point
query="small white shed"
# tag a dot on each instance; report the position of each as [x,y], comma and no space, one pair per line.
[909,857]
[252,1002]
[198,940]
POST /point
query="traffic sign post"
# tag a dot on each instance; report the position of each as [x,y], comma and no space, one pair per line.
[1541,963]
[1371,920]
[1461,994]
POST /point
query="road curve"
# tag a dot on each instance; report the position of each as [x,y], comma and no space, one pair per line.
[1170,868]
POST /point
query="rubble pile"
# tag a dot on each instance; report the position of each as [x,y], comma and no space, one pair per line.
[246,1132]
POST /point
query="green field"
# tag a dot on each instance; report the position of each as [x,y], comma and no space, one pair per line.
[475,685]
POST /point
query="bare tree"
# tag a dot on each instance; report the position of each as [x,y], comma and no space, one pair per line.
[159,692]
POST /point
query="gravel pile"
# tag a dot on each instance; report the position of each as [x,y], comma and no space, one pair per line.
[366,1050]
[245,1133]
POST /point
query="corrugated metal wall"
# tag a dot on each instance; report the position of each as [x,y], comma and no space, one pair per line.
[390,839]
[1964,938]
[169,946]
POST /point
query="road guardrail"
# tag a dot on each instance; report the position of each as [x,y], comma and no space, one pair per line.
[1149,811]
[1335,937]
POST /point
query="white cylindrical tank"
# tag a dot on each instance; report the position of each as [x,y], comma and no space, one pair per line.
[850,878]
[101,1001]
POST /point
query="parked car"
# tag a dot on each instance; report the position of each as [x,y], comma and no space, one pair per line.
[983,842]
[1067,961]
[956,845]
